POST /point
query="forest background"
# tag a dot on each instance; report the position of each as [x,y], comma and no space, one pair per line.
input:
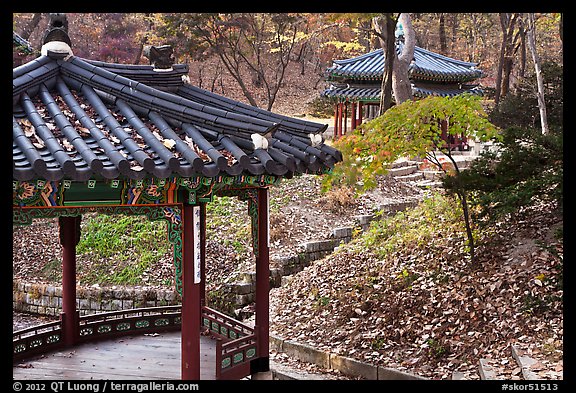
[277,61]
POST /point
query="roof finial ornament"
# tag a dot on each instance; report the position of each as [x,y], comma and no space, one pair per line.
[161,57]
[57,29]
[56,42]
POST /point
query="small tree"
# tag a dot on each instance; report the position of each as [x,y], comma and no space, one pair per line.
[412,129]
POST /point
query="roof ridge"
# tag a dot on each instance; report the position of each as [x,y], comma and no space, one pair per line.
[177,104]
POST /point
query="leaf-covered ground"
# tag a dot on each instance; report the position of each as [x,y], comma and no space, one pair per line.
[419,306]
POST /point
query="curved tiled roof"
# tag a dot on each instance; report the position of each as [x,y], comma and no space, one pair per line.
[353,93]
[22,44]
[80,119]
[426,66]
[445,90]
[419,89]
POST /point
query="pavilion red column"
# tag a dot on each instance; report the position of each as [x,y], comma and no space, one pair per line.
[353,117]
[262,322]
[69,228]
[360,108]
[336,121]
[191,312]
[340,117]
[345,118]
[202,257]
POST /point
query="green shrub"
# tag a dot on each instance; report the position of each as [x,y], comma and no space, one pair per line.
[322,107]
[527,169]
[417,228]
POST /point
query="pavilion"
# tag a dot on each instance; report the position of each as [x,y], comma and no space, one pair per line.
[355,83]
[91,136]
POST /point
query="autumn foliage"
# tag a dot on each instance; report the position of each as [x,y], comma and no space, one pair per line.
[410,129]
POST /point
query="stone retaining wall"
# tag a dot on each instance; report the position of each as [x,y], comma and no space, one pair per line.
[345,365]
[47,299]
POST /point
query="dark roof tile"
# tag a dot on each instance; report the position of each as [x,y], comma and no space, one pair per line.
[103,120]
[427,65]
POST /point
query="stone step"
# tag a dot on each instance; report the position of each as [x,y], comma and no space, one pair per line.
[428,184]
[432,175]
[525,362]
[403,163]
[402,171]
[458,376]
[486,369]
[411,177]
[395,207]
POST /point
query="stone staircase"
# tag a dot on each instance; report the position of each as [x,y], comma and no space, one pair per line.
[241,292]
[521,366]
[425,175]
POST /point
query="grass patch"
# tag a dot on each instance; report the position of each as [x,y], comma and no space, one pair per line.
[121,248]
[418,228]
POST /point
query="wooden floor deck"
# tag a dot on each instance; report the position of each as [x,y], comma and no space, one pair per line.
[151,357]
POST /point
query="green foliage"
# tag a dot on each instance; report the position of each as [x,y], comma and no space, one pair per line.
[417,228]
[436,349]
[126,246]
[520,109]
[227,219]
[409,129]
[122,234]
[407,278]
[528,168]
[221,301]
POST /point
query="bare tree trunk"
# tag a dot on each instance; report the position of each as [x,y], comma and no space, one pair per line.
[504,17]
[442,34]
[401,85]
[508,23]
[364,36]
[384,27]
[395,65]
[531,32]
[455,21]
[522,51]
[144,40]
[30,26]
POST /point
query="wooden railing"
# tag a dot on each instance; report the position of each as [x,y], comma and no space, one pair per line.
[223,326]
[47,337]
[233,357]
[236,342]
[36,339]
[236,345]
[136,321]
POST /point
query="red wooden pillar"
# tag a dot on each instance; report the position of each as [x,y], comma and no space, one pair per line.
[262,323]
[336,120]
[340,117]
[345,117]
[69,228]
[353,117]
[444,133]
[202,257]
[191,312]
[360,107]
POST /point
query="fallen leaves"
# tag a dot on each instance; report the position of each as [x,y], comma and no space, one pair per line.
[439,323]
